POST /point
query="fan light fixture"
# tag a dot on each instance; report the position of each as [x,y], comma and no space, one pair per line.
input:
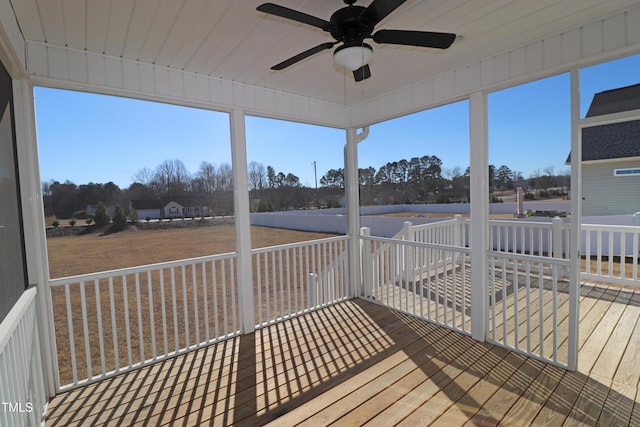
[352,56]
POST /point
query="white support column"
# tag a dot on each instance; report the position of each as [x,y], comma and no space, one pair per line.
[34,225]
[576,221]
[353,209]
[243,220]
[479,239]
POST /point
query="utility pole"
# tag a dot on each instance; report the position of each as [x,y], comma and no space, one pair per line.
[315,174]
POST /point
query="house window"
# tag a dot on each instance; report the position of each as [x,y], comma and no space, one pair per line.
[626,172]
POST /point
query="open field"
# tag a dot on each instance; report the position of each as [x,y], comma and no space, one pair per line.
[72,255]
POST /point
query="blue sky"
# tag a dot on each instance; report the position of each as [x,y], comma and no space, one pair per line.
[95,138]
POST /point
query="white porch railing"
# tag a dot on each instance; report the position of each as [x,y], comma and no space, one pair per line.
[295,278]
[528,305]
[23,393]
[611,254]
[426,280]
[114,321]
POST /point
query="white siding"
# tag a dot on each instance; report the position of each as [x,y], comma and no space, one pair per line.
[151,213]
[555,54]
[605,194]
[75,69]
[11,41]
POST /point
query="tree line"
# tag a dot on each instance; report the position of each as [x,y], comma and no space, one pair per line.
[417,180]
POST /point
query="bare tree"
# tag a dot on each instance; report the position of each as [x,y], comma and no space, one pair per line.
[257,176]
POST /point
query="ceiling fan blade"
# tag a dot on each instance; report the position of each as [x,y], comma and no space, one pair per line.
[362,73]
[415,38]
[307,53]
[285,12]
[379,9]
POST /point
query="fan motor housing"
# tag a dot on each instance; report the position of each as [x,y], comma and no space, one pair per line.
[347,26]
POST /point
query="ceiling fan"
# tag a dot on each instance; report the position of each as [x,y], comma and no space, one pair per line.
[351,25]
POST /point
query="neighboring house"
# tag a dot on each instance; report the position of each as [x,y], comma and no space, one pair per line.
[611,156]
[176,207]
[147,208]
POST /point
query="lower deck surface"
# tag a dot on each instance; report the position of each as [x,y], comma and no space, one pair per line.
[358,363]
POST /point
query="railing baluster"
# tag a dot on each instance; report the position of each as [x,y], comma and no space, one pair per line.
[611,254]
[541,305]
[528,296]
[554,288]
[297,258]
[72,343]
[139,311]
[185,308]
[114,328]
[85,327]
[283,312]
[214,289]
[259,283]
[234,291]
[516,321]
[176,333]
[196,311]
[599,253]
[503,267]
[205,302]
[125,293]
[635,255]
[224,297]
[152,324]
[164,313]
[96,287]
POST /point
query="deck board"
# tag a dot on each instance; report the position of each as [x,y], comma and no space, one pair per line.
[359,363]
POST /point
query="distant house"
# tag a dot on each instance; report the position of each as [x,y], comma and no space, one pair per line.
[176,207]
[611,156]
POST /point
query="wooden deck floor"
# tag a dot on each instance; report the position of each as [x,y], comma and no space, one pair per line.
[357,363]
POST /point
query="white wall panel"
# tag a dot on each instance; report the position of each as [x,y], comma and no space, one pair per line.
[130,75]
[461,80]
[113,72]
[592,39]
[613,31]
[58,65]
[487,74]
[161,76]
[571,46]
[552,51]
[147,78]
[444,86]
[517,63]
[11,37]
[474,76]
[77,66]
[176,85]
[596,41]
[96,69]
[37,60]
[533,57]
[632,27]
[501,71]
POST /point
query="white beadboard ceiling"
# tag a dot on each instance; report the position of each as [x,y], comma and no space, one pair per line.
[230,40]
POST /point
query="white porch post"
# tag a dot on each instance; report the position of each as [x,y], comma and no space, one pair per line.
[576,220]
[353,209]
[242,220]
[479,239]
[34,229]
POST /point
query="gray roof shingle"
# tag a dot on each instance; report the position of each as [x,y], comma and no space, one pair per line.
[613,141]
